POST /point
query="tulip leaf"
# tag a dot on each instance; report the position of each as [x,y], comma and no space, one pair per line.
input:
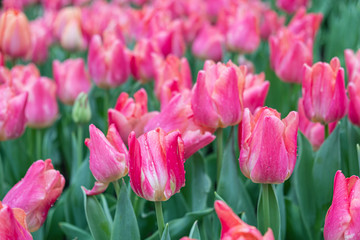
[353,135]
[99,225]
[194,232]
[166,233]
[358,152]
[295,228]
[231,187]
[73,232]
[2,180]
[268,212]
[125,225]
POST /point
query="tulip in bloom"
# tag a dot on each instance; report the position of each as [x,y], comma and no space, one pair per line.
[270,23]
[354,96]
[324,93]
[217,99]
[268,145]
[235,228]
[305,25]
[130,114]
[71,79]
[342,218]
[291,6]
[41,39]
[108,63]
[36,192]
[15,37]
[12,113]
[255,91]
[13,224]
[352,61]
[108,158]
[156,164]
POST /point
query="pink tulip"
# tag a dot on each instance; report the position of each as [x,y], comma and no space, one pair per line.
[305,25]
[41,39]
[54,4]
[12,113]
[291,6]
[255,91]
[12,224]
[324,92]
[342,218]
[352,61]
[209,43]
[178,115]
[15,37]
[71,79]
[354,96]
[156,164]
[108,63]
[270,23]
[36,192]
[217,99]
[130,114]
[232,227]
[268,145]
[108,158]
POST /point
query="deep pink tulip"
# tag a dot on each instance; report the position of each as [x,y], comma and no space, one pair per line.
[291,6]
[217,99]
[12,113]
[71,79]
[54,4]
[255,91]
[270,23]
[209,43]
[108,158]
[342,220]
[156,164]
[268,145]
[352,61]
[15,37]
[324,92]
[305,24]
[178,115]
[36,192]
[108,63]
[232,227]
[13,224]
[130,114]
[41,38]
[354,96]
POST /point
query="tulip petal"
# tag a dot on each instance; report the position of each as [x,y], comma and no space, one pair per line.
[99,187]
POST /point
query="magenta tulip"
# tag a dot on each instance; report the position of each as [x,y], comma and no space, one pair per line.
[291,6]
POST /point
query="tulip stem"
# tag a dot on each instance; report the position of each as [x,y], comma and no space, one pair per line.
[219,141]
[159,217]
[80,144]
[106,102]
[38,135]
[326,131]
[116,187]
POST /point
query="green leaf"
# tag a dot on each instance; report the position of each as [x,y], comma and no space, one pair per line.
[73,232]
[99,225]
[268,215]
[125,225]
[166,233]
[295,228]
[194,232]
[353,135]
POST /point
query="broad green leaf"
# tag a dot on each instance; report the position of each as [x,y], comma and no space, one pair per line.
[279,191]
[194,232]
[73,232]
[99,225]
[295,228]
[166,233]
[125,225]
[353,133]
[56,215]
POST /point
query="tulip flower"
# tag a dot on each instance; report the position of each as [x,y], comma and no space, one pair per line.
[40,41]
[291,6]
[268,145]
[108,158]
[352,61]
[71,79]
[108,63]
[342,218]
[156,164]
[217,99]
[232,227]
[15,37]
[255,91]
[13,224]
[324,92]
[36,192]
[130,114]
[12,114]
[270,23]
[354,96]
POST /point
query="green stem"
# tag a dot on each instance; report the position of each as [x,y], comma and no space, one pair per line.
[38,133]
[265,204]
[159,217]
[80,144]
[326,131]
[106,102]
[219,142]
[117,188]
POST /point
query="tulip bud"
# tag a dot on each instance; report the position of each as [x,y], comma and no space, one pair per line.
[81,112]
[156,164]
[324,93]
[15,37]
[352,61]
[341,221]
[36,192]
[232,227]
[268,145]
[108,158]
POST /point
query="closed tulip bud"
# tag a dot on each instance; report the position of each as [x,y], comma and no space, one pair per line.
[232,227]
[156,164]
[305,24]
[71,79]
[324,93]
[354,96]
[268,145]
[15,37]
[341,221]
[352,61]
[13,224]
[108,158]
[255,91]
[108,63]
[12,114]
[36,192]
[217,99]
[81,112]
[291,6]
